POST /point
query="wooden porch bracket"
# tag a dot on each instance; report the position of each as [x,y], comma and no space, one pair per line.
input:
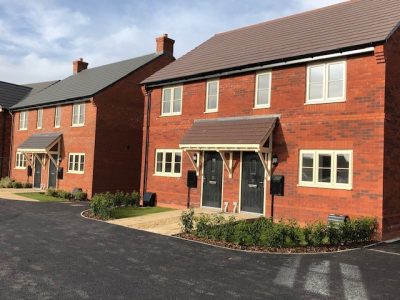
[227,165]
[196,165]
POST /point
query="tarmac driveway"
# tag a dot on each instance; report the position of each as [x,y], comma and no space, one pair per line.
[47,251]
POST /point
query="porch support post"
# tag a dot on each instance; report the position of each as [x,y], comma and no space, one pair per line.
[227,165]
[39,159]
[28,160]
[265,163]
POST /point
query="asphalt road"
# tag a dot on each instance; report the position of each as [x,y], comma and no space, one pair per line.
[47,251]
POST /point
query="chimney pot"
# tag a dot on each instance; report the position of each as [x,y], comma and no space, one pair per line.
[165,45]
[79,65]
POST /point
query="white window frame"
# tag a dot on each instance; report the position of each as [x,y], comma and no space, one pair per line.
[39,118]
[81,106]
[73,154]
[172,173]
[23,120]
[325,83]
[57,116]
[256,105]
[20,161]
[333,184]
[212,110]
[171,104]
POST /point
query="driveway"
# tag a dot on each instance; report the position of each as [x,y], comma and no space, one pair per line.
[47,251]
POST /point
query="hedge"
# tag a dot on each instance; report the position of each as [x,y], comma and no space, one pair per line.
[7,182]
[264,232]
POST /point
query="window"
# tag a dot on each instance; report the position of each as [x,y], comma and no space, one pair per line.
[326,168]
[169,163]
[78,114]
[57,117]
[172,101]
[39,121]
[20,161]
[263,90]
[76,163]
[212,96]
[326,82]
[23,120]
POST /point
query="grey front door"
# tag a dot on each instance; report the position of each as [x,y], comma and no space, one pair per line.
[53,173]
[212,180]
[37,180]
[252,190]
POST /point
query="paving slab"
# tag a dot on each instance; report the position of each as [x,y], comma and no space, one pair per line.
[10,194]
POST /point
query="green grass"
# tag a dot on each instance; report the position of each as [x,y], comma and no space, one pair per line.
[42,197]
[126,212]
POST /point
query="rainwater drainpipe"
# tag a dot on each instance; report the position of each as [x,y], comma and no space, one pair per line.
[11,142]
[146,150]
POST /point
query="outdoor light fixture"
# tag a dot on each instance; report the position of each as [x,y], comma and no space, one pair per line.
[195,158]
[274,160]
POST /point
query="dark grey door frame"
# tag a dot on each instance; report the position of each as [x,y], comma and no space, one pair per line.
[52,181]
[37,175]
[212,183]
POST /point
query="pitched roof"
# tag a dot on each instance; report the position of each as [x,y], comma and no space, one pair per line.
[11,93]
[239,131]
[85,83]
[342,26]
[40,141]
[40,86]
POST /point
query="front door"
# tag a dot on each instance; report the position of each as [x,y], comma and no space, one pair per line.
[53,173]
[37,180]
[212,180]
[252,190]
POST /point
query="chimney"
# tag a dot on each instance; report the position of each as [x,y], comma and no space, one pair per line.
[165,45]
[79,65]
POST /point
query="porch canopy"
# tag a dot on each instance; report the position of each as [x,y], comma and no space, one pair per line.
[41,144]
[226,135]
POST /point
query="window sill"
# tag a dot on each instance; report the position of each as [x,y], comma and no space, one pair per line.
[20,168]
[211,111]
[77,125]
[57,126]
[23,129]
[73,172]
[324,101]
[262,107]
[167,175]
[347,188]
[170,115]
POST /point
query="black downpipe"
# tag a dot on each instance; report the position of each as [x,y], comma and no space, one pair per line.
[3,141]
[146,150]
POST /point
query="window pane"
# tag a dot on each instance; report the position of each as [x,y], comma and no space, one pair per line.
[82,113]
[343,161]
[76,163]
[168,162]
[71,163]
[308,160]
[82,163]
[324,170]
[166,107]
[324,160]
[177,106]
[316,91]
[263,81]
[159,162]
[307,174]
[212,102]
[178,159]
[262,97]
[335,89]
[177,93]
[324,175]
[336,72]
[317,74]
[342,176]
[212,88]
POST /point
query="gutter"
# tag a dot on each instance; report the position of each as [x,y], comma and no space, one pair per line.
[263,66]
[52,104]
[146,150]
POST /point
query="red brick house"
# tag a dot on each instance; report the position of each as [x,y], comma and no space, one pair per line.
[314,97]
[11,94]
[86,130]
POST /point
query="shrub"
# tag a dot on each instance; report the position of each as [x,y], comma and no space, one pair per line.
[64,194]
[203,226]
[16,185]
[294,233]
[318,234]
[135,198]
[79,195]
[276,235]
[187,220]
[243,234]
[52,192]
[6,182]
[101,205]
[27,185]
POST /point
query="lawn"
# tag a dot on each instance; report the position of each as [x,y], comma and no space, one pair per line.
[42,197]
[126,212]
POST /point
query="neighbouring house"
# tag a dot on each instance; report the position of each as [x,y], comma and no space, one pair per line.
[11,94]
[86,130]
[314,97]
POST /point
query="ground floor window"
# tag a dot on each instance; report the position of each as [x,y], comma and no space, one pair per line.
[326,168]
[20,161]
[76,163]
[168,163]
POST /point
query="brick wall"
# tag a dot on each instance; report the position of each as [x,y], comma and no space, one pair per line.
[5,137]
[356,124]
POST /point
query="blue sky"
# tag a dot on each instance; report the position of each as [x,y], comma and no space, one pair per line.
[40,39]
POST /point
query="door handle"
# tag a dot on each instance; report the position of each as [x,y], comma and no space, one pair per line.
[252,185]
[212,182]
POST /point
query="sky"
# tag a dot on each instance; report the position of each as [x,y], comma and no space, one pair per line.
[39,39]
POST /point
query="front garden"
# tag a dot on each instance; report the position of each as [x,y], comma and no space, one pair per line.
[52,195]
[264,235]
[8,183]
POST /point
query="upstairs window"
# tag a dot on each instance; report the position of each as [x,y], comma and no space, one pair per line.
[172,101]
[212,96]
[57,117]
[23,120]
[326,168]
[168,163]
[39,121]
[326,82]
[263,90]
[78,114]
[20,161]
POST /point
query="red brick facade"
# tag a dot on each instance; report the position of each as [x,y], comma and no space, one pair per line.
[5,137]
[110,138]
[366,123]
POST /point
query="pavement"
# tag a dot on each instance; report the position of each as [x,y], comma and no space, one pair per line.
[168,223]
[11,194]
[48,251]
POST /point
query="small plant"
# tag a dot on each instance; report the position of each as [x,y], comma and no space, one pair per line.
[101,206]
[203,224]
[52,192]
[63,194]
[187,220]
[80,196]
[27,185]
[135,198]
[6,182]
[16,185]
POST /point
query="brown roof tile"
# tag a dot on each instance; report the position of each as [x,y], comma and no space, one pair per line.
[341,26]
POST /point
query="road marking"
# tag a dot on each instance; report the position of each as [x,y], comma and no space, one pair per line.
[317,278]
[352,282]
[382,251]
[287,273]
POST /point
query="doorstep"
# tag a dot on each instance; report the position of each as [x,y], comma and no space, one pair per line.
[168,223]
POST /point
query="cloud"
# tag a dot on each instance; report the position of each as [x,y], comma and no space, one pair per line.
[39,39]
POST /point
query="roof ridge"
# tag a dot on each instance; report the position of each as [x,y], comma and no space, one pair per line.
[288,16]
[14,84]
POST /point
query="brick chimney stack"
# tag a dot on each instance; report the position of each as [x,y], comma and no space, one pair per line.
[79,65]
[165,45]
